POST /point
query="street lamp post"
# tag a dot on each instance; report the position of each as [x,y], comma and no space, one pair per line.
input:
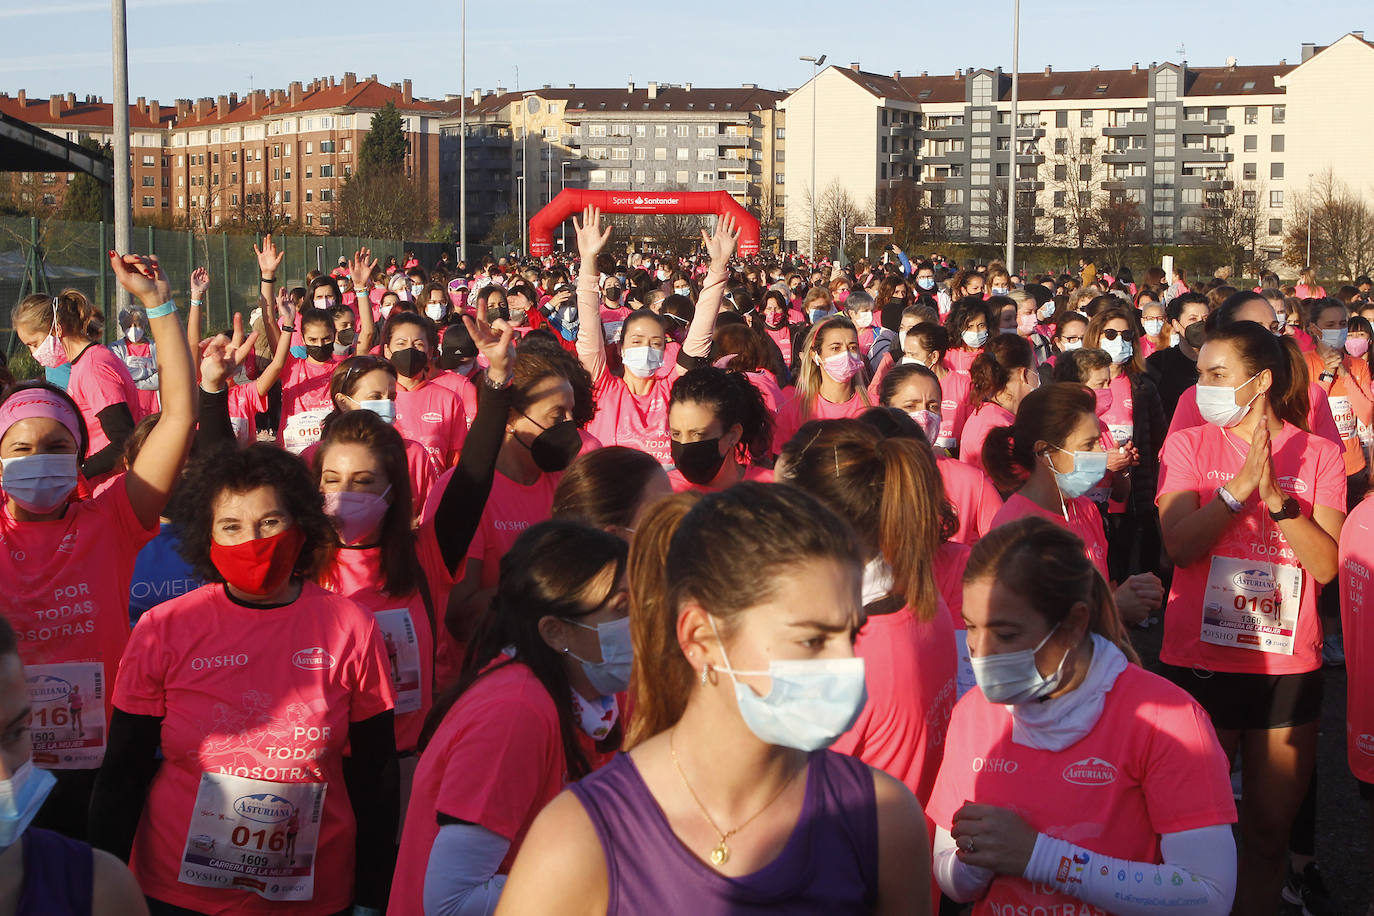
[1308,262]
[123,187]
[563,186]
[1011,169]
[524,170]
[520,186]
[463,140]
[816,64]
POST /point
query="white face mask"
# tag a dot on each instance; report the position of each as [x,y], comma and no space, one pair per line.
[39,483]
[975,339]
[1217,404]
[1153,326]
[434,311]
[1012,677]
[863,320]
[1118,348]
[134,334]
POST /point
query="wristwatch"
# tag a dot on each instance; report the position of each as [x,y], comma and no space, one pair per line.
[1326,377]
[1290,509]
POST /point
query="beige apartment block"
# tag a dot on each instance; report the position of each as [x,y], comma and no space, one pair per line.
[1330,101]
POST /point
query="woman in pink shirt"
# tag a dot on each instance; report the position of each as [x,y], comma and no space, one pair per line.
[57,331]
[774,319]
[969,327]
[889,490]
[1065,721]
[1002,375]
[721,431]
[610,488]
[68,564]
[632,409]
[426,412]
[830,379]
[251,688]
[1308,287]
[136,352]
[1251,506]
[1050,457]
[535,708]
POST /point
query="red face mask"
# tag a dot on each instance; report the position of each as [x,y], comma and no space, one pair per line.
[260,566]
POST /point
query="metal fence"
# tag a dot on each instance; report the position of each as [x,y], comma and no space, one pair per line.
[49,255]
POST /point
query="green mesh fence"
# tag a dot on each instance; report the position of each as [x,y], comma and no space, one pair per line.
[49,255]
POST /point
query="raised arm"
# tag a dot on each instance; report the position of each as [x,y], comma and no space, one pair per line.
[149,482]
[360,270]
[269,259]
[200,282]
[591,340]
[282,347]
[221,357]
[721,247]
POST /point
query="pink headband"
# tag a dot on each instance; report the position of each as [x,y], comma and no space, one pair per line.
[29,403]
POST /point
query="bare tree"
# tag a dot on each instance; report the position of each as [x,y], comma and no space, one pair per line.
[257,213]
[1342,228]
[1229,223]
[1077,174]
[768,211]
[1026,207]
[1118,228]
[836,212]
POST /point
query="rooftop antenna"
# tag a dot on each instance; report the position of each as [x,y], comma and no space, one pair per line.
[1182,51]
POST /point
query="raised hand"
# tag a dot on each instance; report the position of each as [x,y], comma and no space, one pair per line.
[269,257]
[493,342]
[1268,481]
[221,356]
[286,312]
[142,277]
[200,282]
[721,245]
[590,237]
[361,267]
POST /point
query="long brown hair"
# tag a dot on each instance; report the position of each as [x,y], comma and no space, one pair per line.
[1047,564]
[710,550]
[889,490]
[603,487]
[991,370]
[76,315]
[1092,338]
[1048,414]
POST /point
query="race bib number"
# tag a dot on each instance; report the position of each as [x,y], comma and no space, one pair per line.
[302,430]
[254,835]
[403,654]
[611,330]
[1344,415]
[68,702]
[240,427]
[965,680]
[1251,604]
[1121,432]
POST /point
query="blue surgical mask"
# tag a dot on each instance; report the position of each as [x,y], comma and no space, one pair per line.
[975,339]
[20,798]
[642,362]
[1334,337]
[817,314]
[1012,677]
[384,408]
[611,675]
[39,483]
[566,320]
[810,704]
[925,282]
[1000,290]
[1088,469]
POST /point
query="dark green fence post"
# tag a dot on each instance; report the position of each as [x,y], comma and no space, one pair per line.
[224,260]
[190,253]
[150,241]
[104,266]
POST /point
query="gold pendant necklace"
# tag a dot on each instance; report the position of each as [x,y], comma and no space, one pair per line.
[721,853]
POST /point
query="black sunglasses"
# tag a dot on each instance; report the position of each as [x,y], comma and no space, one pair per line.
[1111,334]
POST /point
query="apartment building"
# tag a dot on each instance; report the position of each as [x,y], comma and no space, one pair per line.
[657,137]
[1171,139]
[278,156]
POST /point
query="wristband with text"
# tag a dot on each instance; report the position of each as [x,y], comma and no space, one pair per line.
[267,279]
[167,308]
[197,301]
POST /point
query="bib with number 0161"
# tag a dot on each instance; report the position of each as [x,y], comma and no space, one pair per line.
[303,430]
[254,835]
[1251,604]
[68,703]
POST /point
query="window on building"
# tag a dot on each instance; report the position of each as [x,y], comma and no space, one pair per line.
[1279,114]
[777,178]
[683,153]
[981,173]
[706,153]
[1250,143]
[639,176]
[681,176]
[982,90]
[1276,200]
[620,152]
[1085,118]
[1085,144]
[326,171]
[50,199]
[326,146]
[1166,86]
[148,181]
[309,195]
[661,176]
[1061,119]
[1061,172]
[660,153]
[1085,171]
[1276,143]
[706,130]
[1276,226]
[1191,196]
[309,148]
[684,130]
[1004,143]
[326,194]
[1001,170]
[1251,114]
[982,147]
[1248,171]
[705,177]
[597,176]
[1276,171]
[1248,198]
[596,130]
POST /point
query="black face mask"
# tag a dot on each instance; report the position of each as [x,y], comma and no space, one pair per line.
[892,314]
[1196,334]
[321,354]
[410,362]
[345,337]
[699,461]
[556,447]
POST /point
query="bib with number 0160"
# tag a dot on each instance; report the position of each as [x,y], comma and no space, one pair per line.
[68,703]
[403,654]
[1344,415]
[1251,604]
[254,835]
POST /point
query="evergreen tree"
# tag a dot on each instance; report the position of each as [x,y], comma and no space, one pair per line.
[84,199]
[384,147]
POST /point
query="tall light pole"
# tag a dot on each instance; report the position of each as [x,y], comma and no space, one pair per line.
[816,64]
[123,222]
[463,140]
[1309,220]
[563,186]
[525,103]
[1011,169]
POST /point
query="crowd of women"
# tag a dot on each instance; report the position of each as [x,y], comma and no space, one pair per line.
[694,584]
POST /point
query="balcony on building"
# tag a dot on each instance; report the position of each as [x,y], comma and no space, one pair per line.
[1125,155]
[1218,184]
[1030,158]
[903,130]
[734,187]
[732,140]
[1131,129]
[731,164]
[1207,156]
[1029,184]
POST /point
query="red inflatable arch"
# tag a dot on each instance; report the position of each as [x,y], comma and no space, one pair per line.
[572,200]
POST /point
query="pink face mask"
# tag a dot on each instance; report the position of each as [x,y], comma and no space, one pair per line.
[1357,346]
[842,366]
[1104,400]
[1025,325]
[356,515]
[50,353]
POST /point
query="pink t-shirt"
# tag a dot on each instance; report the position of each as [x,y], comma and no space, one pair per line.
[635,421]
[975,499]
[1150,766]
[954,409]
[791,415]
[1319,418]
[255,706]
[496,760]
[433,416]
[681,484]
[1084,520]
[407,636]
[244,406]
[984,420]
[783,338]
[1357,566]
[462,386]
[304,402]
[67,597]
[909,670]
[100,379]
[1120,417]
[1207,622]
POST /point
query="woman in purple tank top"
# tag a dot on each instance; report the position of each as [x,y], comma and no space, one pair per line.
[744,607]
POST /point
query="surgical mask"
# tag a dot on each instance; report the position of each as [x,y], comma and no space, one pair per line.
[1217,404]
[1070,345]
[1153,326]
[684,291]
[327,303]
[975,339]
[1357,346]
[863,319]
[661,274]
[925,282]
[1118,348]
[1334,337]
[386,311]
[1173,338]
[50,353]
[1045,312]
[611,675]
[1012,677]
[435,311]
[1000,290]
[810,704]
[642,362]
[341,349]
[818,314]
[1105,399]
[382,407]
[21,795]
[39,483]
[1025,325]
[699,462]
[356,514]
[416,289]
[554,448]
[928,420]
[134,334]
[1088,469]
[842,366]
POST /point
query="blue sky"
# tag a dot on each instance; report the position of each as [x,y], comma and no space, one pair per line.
[188,48]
